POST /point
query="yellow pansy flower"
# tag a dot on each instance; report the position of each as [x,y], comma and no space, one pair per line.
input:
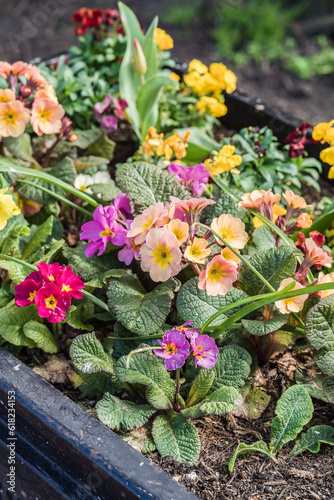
[163,40]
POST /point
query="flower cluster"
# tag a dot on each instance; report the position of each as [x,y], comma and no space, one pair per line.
[223,161]
[193,178]
[8,208]
[313,254]
[176,349]
[172,147]
[298,138]
[209,83]
[107,112]
[51,288]
[97,21]
[29,99]
[163,40]
[266,203]
[324,132]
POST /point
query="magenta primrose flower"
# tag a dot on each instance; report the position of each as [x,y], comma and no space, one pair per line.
[193,178]
[51,303]
[101,230]
[26,290]
[205,351]
[188,332]
[174,349]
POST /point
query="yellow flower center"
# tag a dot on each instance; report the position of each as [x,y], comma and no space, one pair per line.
[199,353]
[148,223]
[51,302]
[170,349]
[66,288]
[107,232]
[32,296]
[51,277]
[83,188]
[162,256]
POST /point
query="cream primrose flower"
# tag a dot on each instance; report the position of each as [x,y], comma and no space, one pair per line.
[230,256]
[46,116]
[13,118]
[230,229]
[218,276]
[197,251]
[82,182]
[325,278]
[160,255]
[294,304]
[179,229]
[142,224]
[8,208]
[294,200]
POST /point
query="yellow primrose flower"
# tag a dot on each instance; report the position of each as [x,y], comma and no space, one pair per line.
[8,207]
[197,251]
[211,105]
[163,40]
[331,173]
[327,155]
[224,161]
[294,304]
[324,132]
[198,66]
[277,210]
[174,76]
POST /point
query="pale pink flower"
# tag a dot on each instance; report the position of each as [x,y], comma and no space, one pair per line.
[230,256]
[218,276]
[252,200]
[294,304]
[161,255]
[46,116]
[294,200]
[230,229]
[325,278]
[13,118]
[194,205]
[144,222]
[179,229]
[7,95]
[197,251]
[315,255]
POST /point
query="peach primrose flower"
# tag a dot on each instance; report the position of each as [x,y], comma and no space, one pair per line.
[277,210]
[294,304]
[8,208]
[294,199]
[13,118]
[218,276]
[197,251]
[230,256]
[304,221]
[5,69]
[161,255]
[179,229]
[142,224]
[230,229]
[7,95]
[46,116]
[325,278]
[46,93]
[252,200]
[315,255]
[224,161]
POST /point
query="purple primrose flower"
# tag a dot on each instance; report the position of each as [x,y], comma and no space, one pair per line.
[193,178]
[109,123]
[174,349]
[205,351]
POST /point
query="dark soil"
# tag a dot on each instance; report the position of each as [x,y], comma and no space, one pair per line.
[255,477]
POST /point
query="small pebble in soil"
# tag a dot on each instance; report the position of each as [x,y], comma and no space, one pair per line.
[192,476]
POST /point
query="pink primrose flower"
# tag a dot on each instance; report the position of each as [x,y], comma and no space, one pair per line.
[193,178]
[205,351]
[174,349]
[218,276]
[144,222]
[51,303]
[26,290]
[46,116]
[69,282]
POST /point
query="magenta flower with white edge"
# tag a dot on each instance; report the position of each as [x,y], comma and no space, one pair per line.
[101,230]
[193,178]
[174,349]
[205,351]
[51,303]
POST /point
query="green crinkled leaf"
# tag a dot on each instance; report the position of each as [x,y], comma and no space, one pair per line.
[242,448]
[195,304]
[41,335]
[312,439]
[107,192]
[264,327]
[274,264]
[84,162]
[88,355]
[12,323]
[147,369]
[232,368]
[200,387]
[176,436]
[96,384]
[5,297]
[102,280]
[328,388]
[263,238]
[223,400]
[294,410]
[147,184]
[119,414]
[52,253]
[40,236]
[87,137]
[224,205]
[16,272]
[141,312]
[103,146]
[20,147]
[78,315]
[12,223]
[12,244]
[319,330]
[64,171]
[311,383]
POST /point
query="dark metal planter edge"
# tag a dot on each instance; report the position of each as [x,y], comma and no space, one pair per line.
[62,452]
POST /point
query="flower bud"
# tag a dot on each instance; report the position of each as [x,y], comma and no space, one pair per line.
[139,61]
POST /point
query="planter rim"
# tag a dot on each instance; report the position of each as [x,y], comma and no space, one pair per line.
[44,417]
